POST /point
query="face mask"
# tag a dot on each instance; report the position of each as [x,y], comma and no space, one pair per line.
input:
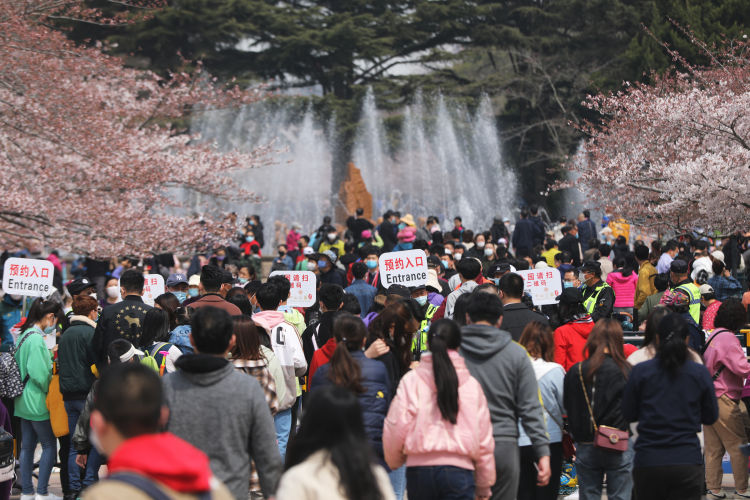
[50,330]
[445,263]
[402,225]
[242,281]
[249,239]
[193,292]
[496,281]
[488,252]
[311,266]
[93,296]
[371,264]
[582,277]
[567,284]
[220,257]
[113,292]
[322,264]
[332,236]
[480,244]
[421,300]
[181,296]
[282,253]
[457,256]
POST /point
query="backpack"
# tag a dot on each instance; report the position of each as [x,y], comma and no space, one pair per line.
[150,360]
[11,385]
[7,459]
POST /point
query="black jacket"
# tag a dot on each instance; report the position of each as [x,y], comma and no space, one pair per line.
[605,303]
[517,316]
[75,355]
[569,243]
[605,396]
[123,320]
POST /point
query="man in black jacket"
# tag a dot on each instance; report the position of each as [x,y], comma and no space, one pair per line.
[569,243]
[598,296]
[121,320]
[515,314]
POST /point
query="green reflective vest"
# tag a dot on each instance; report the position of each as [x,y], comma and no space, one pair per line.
[590,303]
[419,344]
[694,293]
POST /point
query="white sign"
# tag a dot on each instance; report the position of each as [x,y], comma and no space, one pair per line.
[408,268]
[544,285]
[153,286]
[30,277]
[302,292]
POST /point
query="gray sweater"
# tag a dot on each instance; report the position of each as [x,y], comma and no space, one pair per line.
[223,412]
[504,371]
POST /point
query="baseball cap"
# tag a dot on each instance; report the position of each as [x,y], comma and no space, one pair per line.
[592,266]
[226,277]
[570,296]
[718,255]
[678,266]
[194,280]
[176,279]
[330,254]
[399,290]
[433,262]
[308,251]
[706,289]
[78,285]
[502,267]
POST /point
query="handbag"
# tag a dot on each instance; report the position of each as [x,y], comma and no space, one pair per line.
[568,445]
[605,437]
[58,417]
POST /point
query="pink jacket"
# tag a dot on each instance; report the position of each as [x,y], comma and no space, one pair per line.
[416,433]
[624,287]
[725,350]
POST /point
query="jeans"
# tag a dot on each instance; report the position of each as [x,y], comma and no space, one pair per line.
[74,409]
[398,481]
[669,482]
[593,463]
[440,482]
[283,422]
[33,433]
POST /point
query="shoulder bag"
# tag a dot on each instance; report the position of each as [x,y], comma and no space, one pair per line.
[605,437]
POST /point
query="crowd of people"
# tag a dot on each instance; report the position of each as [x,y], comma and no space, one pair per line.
[461,387]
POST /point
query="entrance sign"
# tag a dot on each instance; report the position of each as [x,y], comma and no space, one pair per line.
[302,292]
[408,268]
[544,285]
[31,277]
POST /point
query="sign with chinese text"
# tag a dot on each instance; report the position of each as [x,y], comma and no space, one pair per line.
[544,285]
[302,291]
[30,277]
[408,268]
[153,286]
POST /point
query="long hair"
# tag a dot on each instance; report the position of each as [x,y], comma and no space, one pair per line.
[398,318]
[570,312]
[349,332]
[671,349]
[605,340]
[652,325]
[445,334]
[38,310]
[155,327]
[332,421]
[247,341]
[169,303]
[539,340]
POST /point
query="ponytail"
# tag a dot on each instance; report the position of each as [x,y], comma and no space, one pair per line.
[671,349]
[38,310]
[349,332]
[444,334]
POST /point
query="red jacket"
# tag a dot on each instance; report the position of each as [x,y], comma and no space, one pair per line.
[321,357]
[570,339]
[246,246]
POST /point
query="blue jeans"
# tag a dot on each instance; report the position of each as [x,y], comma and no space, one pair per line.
[33,432]
[593,463]
[283,422]
[440,482]
[398,481]
[74,409]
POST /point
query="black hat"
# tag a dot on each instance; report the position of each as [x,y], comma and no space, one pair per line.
[678,266]
[78,285]
[592,266]
[226,277]
[502,267]
[570,295]
[433,261]
[399,290]
[413,289]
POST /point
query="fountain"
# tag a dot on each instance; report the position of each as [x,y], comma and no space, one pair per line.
[448,161]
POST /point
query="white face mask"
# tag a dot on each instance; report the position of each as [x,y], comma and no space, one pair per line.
[582,277]
[488,252]
[332,236]
[457,256]
[113,292]
[480,244]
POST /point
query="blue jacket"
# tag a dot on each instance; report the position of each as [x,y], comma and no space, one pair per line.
[180,337]
[375,401]
[586,233]
[365,295]
[10,314]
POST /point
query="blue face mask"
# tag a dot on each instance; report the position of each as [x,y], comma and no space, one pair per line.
[193,292]
[50,330]
[371,264]
[322,264]
[402,225]
[181,296]
[242,281]
[496,281]
[445,263]
[421,300]
[249,239]
[567,284]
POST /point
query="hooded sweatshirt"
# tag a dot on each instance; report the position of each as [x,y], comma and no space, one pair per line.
[503,369]
[175,466]
[624,287]
[287,347]
[416,433]
[570,339]
[224,413]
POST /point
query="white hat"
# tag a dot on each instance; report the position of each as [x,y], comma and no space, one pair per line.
[705,289]
[194,280]
[432,280]
[541,265]
[124,358]
[718,255]
[308,251]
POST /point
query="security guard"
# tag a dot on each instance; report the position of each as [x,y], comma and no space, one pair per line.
[598,297]
[678,275]
[427,309]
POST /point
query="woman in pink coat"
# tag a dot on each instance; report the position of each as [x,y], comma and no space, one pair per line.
[623,281]
[439,424]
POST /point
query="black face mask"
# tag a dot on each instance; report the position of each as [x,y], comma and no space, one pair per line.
[281,253]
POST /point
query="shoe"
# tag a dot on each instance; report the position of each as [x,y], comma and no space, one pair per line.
[72,496]
[572,496]
[28,497]
[710,494]
[742,495]
[49,496]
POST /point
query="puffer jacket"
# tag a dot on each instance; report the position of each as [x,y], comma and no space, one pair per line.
[624,287]
[416,433]
[570,339]
[374,401]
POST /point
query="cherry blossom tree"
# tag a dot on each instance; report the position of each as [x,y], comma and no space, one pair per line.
[675,153]
[92,159]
